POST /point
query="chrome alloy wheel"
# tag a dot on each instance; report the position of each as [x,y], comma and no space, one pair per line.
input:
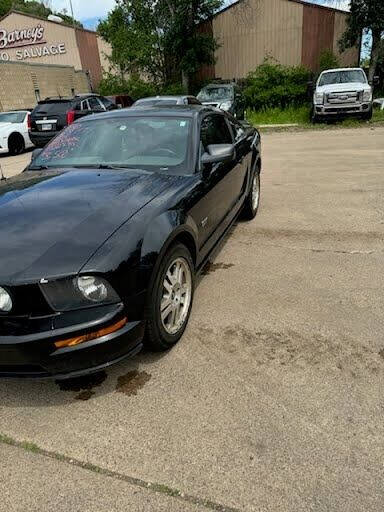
[177,295]
[256,191]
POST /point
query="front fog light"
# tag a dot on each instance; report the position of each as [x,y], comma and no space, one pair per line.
[93,288]
[5,301]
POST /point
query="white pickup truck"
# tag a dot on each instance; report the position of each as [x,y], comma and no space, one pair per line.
[342,92]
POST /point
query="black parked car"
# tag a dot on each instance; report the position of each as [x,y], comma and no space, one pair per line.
[51,115]
[104,233]
[226,96]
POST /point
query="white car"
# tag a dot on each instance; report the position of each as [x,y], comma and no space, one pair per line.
[342,92]
[14,132]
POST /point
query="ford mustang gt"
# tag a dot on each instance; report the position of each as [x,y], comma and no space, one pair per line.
[103,234]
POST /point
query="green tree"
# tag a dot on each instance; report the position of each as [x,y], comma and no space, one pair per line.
[5,6]
[160,37]
[366,16]
[328,60]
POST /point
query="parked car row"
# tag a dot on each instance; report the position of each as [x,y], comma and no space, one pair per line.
[22,129]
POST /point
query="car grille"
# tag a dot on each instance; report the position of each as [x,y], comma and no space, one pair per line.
[344,98]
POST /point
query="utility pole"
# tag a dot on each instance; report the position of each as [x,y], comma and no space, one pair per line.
[73,18]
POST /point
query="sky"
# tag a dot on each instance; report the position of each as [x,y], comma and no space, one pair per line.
[90,11]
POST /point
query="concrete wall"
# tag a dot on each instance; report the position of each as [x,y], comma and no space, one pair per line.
[19,81]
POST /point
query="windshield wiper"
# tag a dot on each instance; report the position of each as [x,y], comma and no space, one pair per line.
[101,166]
[38,167]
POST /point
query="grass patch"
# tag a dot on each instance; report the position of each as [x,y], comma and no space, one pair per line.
[291,115]
[301,116]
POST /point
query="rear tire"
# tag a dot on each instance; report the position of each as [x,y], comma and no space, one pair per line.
[16,144]
[367,116]
[170,299]
[252,201]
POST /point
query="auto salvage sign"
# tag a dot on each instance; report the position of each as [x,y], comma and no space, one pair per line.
[29,43]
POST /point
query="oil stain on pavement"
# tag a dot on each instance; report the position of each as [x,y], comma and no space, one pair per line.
[83,385]
[132,382]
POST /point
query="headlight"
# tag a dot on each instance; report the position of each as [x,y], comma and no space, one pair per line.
[367,96]
[318,98]
[5,301]
[226,105]
[78,293]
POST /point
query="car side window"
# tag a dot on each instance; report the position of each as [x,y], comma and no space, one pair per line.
[193,101]
[84,105]
[95,104]
[214,130]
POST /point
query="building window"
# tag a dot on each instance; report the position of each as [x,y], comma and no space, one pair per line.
[37,94]
[73,91]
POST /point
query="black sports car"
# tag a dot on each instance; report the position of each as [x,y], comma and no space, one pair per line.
[103,234]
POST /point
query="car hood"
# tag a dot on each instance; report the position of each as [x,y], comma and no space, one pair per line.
[353,86]
[52,222]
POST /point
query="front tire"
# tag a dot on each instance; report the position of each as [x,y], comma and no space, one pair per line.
[252,202]
[170,299]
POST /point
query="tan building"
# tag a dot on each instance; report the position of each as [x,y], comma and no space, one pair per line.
[292,32]
[40,58]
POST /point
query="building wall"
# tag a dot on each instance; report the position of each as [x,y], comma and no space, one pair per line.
[317,33]
[66,45]
[255,29]
[19,81]
[290,31]
[89,55]
[105,50]
[350,57]
[54,34]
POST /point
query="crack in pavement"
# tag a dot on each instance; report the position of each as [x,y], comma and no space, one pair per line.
[320,250]
[150,486]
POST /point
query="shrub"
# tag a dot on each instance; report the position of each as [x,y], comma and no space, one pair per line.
[328,60]
[134,86]
[272,85]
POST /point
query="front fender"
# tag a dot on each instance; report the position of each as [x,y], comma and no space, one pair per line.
[170,226]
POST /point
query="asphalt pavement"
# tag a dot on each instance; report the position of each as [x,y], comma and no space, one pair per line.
[273,399]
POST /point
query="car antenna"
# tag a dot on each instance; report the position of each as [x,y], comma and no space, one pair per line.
[3,178]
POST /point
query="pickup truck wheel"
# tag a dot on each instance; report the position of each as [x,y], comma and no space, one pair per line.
[170,299]
[252,202]
[313,117]
[16,144]
[368,115]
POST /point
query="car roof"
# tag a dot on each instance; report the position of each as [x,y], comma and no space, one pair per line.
[191,111]
[173,97]
[342,69]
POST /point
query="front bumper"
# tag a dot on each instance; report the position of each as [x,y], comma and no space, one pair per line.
[35,355]
[342,110]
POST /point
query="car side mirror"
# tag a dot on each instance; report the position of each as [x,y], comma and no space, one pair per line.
[376,81]
[35,153]
[217,153]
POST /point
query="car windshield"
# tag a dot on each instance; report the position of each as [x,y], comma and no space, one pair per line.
[343,77]
[218,93]
[12,117]
[159,144]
